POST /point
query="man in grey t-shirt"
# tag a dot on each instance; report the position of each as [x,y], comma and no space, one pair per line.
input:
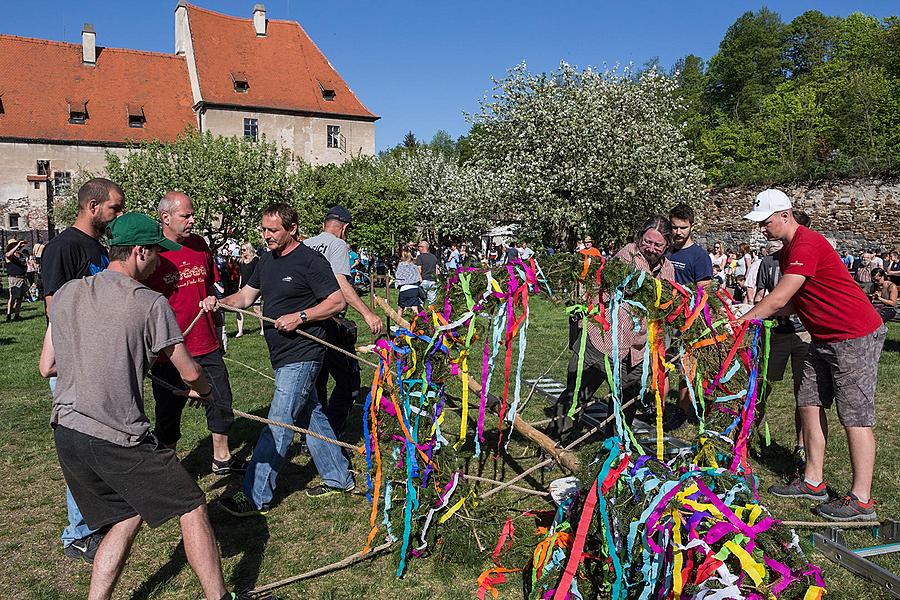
[104,333]
[340,331]
[427,263]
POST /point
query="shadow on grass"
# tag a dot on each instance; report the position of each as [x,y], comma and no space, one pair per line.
[891,345]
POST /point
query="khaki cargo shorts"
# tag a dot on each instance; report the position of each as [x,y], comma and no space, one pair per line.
[845,372]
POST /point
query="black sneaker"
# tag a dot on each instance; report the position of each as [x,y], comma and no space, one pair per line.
[227,467]
[848,508]
[798,488]
[323,491]
[240,505]
[85,548]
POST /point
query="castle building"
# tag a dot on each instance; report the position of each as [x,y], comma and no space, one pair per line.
[62,105]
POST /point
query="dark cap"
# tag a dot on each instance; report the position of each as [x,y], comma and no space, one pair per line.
[136,229]
[340,213]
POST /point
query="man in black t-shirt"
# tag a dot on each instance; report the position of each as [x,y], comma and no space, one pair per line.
[301,292]
[73,254]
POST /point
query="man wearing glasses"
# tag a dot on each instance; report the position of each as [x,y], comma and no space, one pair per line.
[646,253]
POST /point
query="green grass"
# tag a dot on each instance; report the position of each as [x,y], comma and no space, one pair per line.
[300,533]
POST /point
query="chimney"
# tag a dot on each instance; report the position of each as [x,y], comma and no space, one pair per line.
[182,31]
[88,45]
[259,20]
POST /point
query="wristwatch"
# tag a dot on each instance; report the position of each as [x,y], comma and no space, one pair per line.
[303,317]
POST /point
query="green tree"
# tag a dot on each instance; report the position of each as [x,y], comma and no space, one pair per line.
[229,179]
[373,192]
[810,40]
[409,140]
[749,64]
[443,143]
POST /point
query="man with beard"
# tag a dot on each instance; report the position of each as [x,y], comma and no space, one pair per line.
[73,254]
[185,277]
[647,253]
[842,364]
[692,267]
[301,292]
[104,333]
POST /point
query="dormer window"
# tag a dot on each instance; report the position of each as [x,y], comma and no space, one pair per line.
[77,112]
[136,116]
[327,91]
[239,79]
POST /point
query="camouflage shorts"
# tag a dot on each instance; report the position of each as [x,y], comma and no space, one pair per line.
[845,372]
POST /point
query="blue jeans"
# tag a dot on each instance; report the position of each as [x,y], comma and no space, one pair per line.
[430,289]
[295,401]
[77,528]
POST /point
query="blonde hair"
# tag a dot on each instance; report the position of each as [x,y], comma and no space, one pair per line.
[405,255]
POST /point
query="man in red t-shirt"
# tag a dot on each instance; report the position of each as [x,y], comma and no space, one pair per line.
[185,278]
[842,364]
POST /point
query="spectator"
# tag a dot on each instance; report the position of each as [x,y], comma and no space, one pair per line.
[464,257]
[864,269]
[740,290]
[744,259]
[718,274]
[877,260]
[454,259]
[893,267]
[525,253]
[718,256]
[884,295]
[16,272]
[753,274]
[510,253]
[427,263]
[847,259]
[246,265]
[408,278]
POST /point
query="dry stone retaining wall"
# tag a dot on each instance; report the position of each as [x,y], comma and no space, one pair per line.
[853,213]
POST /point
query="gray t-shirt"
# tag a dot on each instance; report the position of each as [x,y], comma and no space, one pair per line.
[107,331]
[428,262]
[334,249]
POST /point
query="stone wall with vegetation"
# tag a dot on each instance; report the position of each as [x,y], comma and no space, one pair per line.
[854,213]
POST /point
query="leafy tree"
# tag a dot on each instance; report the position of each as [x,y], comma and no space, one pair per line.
[443,143]
[749,63]
[810,40]
[369,188]
[586,149]
[229,179]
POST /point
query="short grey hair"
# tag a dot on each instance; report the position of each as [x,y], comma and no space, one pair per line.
[170,201]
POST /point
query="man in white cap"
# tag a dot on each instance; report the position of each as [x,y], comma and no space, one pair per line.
[842,364]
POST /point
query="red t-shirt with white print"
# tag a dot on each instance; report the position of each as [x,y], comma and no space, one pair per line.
[829,303]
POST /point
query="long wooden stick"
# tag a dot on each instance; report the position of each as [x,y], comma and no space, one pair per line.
[512,487]
[560,455]
[345,562]
[194,322]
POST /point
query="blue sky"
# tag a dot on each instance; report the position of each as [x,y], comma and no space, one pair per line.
[420,65]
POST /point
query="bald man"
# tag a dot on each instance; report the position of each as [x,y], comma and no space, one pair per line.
[185,277]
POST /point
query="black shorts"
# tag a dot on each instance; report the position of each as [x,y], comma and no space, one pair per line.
[409,298]
[169,406]
[111,483]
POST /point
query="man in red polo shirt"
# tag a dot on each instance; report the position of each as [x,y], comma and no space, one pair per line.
[842,364]
[185,277]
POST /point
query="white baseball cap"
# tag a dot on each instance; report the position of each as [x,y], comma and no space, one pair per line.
[767,203]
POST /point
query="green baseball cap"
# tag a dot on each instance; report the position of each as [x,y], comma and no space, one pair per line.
[137,229]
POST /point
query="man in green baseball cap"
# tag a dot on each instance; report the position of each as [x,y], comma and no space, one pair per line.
[105,332]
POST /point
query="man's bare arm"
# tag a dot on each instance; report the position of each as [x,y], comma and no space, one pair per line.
[47,363]
[778,300]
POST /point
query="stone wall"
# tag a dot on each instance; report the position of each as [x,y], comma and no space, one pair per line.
[853,213]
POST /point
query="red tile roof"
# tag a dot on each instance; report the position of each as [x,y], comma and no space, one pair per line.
[285,70]
[39,79]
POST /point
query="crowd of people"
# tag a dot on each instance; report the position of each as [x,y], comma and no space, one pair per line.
[130,296]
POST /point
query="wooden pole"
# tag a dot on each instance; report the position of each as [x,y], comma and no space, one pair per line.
[562,456]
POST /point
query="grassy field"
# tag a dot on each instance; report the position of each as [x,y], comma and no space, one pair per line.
[300,533]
